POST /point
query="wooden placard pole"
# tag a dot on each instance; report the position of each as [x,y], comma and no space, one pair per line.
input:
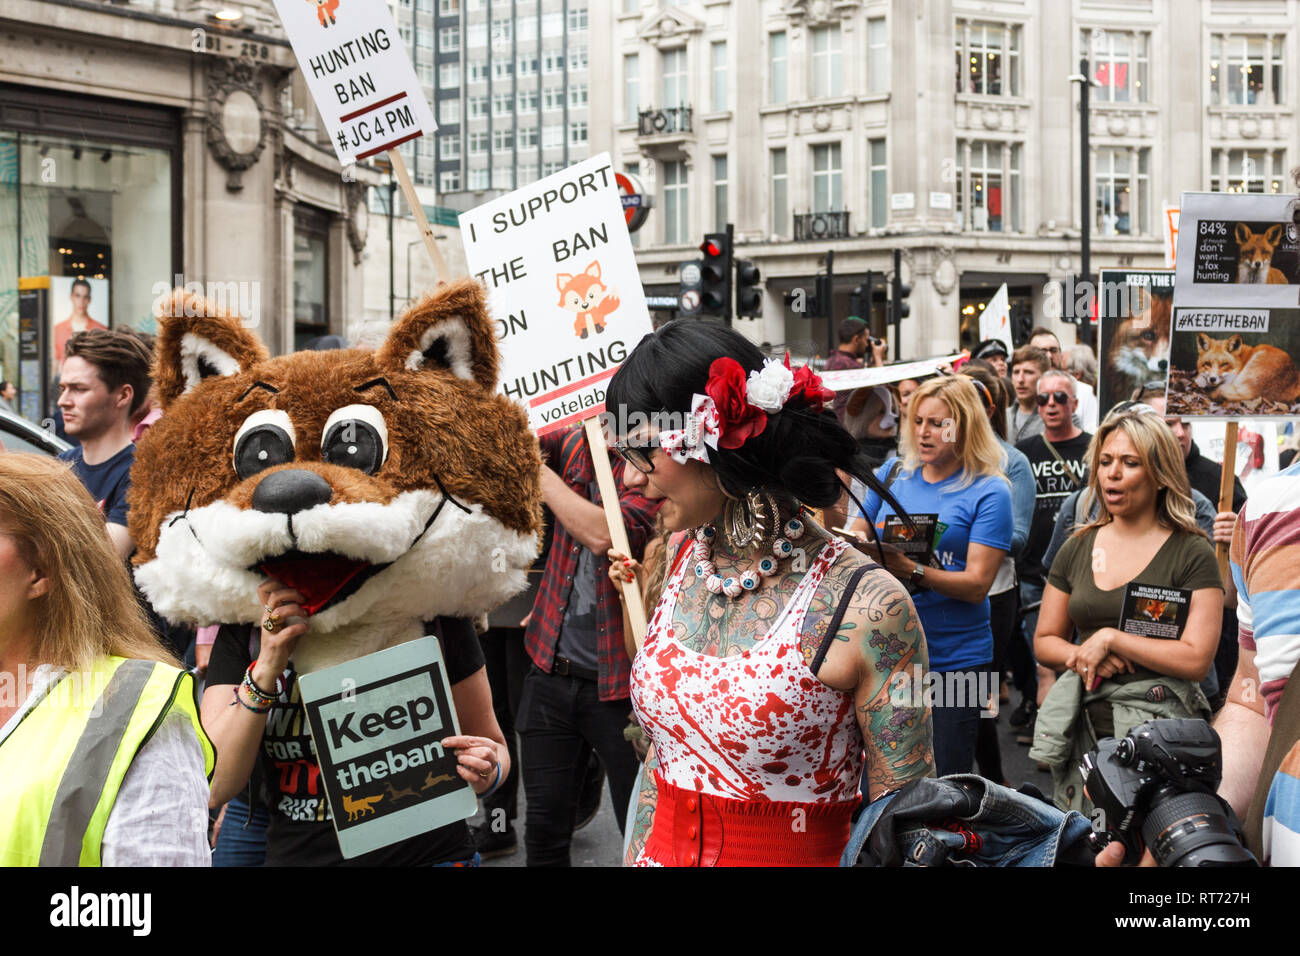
[417,210]
[614,520]
[1225,490]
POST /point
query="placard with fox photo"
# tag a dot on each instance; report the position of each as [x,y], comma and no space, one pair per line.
[1150,611]
[1235,331]
[377,723]
[1133,310]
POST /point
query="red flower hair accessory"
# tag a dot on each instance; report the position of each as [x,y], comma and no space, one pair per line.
[808,386]
[738,420]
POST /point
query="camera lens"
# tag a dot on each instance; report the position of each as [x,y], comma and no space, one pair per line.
[1125,750]
[1191,829]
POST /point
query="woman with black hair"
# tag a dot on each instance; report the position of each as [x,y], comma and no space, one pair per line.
[764,681]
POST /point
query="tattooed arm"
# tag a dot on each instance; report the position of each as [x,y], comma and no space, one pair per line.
[643,815]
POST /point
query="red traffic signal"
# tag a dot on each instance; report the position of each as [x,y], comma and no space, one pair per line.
[710,248]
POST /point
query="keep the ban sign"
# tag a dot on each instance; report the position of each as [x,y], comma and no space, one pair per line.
[358,73]
[563,289]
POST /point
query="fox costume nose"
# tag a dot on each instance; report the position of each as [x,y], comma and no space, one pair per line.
[288,492]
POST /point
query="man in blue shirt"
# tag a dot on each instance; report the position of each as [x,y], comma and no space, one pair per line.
[105,381]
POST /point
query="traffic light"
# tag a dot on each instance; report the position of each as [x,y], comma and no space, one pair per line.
[715,275]
[749,298]
[822,299]
[901,291]
[860,300]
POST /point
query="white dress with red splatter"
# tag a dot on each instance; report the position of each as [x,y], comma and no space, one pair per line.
[756,726]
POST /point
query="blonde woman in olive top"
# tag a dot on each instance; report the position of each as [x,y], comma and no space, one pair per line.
[1145,532]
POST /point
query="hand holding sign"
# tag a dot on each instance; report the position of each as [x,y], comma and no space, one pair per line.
[479,761]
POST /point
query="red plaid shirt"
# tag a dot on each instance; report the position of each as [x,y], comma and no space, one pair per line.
[566,451]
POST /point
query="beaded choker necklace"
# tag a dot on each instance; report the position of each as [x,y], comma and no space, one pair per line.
[750,579]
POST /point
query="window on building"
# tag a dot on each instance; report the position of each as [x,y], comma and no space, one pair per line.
[478,71]
[988,186]
[527,173]
[478,142]
[503,177]
[479,178]
[577,59]
[631,87]
[1247,170]
[828,178]
[502,104]
[553,98]
[719,193]
[577,19]
[988,58]
[827,78]
[528,101]
[527,26]
[503,140]
[634,169]
[552,24]
[405,34]
[718,55]
[502,68]
[476,35]
[503,31]
[448,7]
[879,183]
[776,67]
[577,134]
[311,271]
[674,86]
[448,145]
[578,94]
[449,111]
[1120,64]
[877,55]
[527,66]
[780,194]
[449,181]
[478,106]
[425,72]
[527,137]
[449,39]
[448,75]
[676,212]
[1121,191]
[552,136]
[1246,70]
[631,6]
[551,168]
[553,62]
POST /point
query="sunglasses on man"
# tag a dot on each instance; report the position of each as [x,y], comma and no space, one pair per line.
[1061,398]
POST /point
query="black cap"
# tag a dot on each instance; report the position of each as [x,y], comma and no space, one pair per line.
[990,347]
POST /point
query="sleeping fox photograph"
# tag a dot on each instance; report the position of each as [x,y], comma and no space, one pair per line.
[1228,372]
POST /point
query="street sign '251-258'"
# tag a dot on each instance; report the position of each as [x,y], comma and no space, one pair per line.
[358,72]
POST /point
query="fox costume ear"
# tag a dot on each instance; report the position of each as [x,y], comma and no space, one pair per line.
[446,331]
[197,340]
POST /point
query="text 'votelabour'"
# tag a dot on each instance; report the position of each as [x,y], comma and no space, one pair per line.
[359,75]
[563,289]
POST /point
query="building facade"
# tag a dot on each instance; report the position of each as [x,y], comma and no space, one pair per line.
[149,144]
[948,129]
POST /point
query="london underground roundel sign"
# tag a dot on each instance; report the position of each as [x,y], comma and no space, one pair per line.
[636,201]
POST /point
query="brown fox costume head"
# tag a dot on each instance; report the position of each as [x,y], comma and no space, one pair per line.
[387,486]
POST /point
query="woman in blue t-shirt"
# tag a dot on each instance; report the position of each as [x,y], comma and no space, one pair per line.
[949,478]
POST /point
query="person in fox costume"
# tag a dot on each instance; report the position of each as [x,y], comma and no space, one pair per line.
[339,499]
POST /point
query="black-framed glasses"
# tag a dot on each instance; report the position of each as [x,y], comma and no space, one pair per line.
[1061,398]
[636,456]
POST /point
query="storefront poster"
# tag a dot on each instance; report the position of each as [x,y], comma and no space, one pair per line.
[563,289]
[1133,306]
[1236,309]
[76,305]
[376,725]
[359,74]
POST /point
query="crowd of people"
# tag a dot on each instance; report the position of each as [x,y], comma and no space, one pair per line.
[801,554]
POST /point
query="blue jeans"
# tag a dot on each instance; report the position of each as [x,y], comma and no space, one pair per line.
[956,727]
[242,841]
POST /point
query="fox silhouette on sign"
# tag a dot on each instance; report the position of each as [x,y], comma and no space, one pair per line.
[586,297]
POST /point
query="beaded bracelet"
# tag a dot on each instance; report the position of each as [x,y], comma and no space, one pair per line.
[257,691]
[495,783]
[262,709]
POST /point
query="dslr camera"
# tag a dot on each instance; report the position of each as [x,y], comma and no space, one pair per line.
[1156,788]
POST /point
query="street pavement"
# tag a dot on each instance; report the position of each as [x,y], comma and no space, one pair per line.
[600,844]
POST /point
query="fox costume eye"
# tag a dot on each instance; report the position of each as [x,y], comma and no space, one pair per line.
[266,438]
[356,437]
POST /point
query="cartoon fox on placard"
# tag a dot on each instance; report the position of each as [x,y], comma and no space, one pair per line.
[586,297]
[324,9]
[1234,372]
[1255,255]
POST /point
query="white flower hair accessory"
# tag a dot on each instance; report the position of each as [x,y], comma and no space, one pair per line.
[770,388]
[699,434]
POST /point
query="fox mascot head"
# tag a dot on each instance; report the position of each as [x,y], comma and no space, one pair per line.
[387,486]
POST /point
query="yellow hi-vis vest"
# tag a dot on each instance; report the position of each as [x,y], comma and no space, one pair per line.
[62,766]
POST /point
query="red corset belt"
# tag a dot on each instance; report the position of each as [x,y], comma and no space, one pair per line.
[699,829]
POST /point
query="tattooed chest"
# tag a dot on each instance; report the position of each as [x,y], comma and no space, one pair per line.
[718,626]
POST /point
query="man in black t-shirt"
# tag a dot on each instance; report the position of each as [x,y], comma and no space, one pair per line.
[301,831]
[1057,459]
[105,382]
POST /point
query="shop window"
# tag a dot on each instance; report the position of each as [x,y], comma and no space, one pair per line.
[310,271]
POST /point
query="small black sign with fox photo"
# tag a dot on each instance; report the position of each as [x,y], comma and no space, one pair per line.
[916,540]
[377,724]
[1153,611]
